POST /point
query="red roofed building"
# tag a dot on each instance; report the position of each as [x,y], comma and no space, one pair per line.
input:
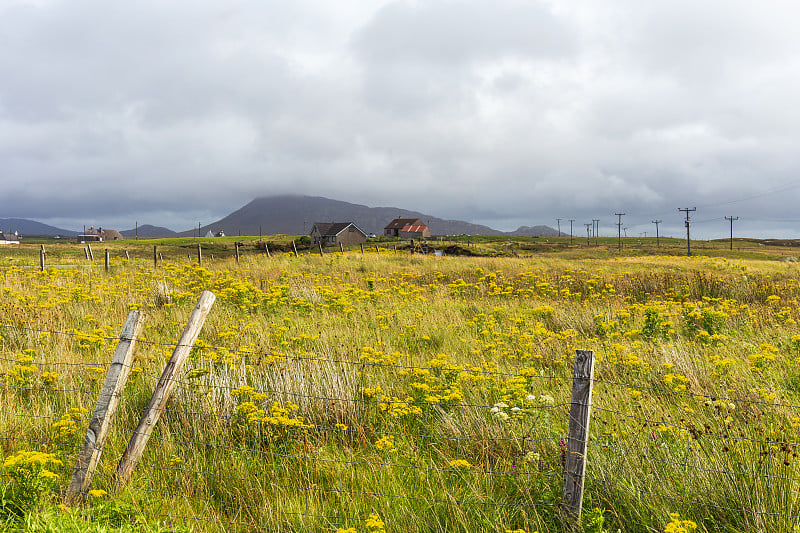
[415,231]
[407,228]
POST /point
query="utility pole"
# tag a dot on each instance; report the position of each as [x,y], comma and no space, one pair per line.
[570,229]
[619,230]
[731,218]
[137,230]
[596,223]
[625,231]
[657,222]
[588,233]
[558,221]
[687,210]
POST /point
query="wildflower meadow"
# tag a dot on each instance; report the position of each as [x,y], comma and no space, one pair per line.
[376,391]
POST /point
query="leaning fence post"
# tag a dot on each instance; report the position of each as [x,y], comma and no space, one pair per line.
[91,254]
[164,388]
[294,247]
[578,439]
[266,249]
[107,403]
[320,248]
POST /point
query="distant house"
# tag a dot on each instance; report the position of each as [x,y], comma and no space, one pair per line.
[99,234]
[9,238]
[415,231]
[394,227]
[407,228]
[220,233]
[326,233]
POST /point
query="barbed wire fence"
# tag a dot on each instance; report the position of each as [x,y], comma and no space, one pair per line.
[217,465]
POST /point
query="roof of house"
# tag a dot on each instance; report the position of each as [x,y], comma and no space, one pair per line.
[414,228]
[327,229]
[399,223]
[8,236]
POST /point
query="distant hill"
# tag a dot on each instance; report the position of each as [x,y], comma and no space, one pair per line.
[147,230]
[297,214]
[535,231]
[31,227]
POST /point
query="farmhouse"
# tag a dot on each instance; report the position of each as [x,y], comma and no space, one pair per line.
[9,238]
[397,225]
[326,233]
[407,228]
[99,234]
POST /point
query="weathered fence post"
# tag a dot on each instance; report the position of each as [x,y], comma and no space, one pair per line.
[362,248]
[266,249]
[341,247]
[155,256]
[164,388]
[127,256]
[294,248]
[41,259]
[578,439]
[320,248]
[376,249]
[199,255]
[86,252]
[236,246]
[107,403]
[107,260]
[91,254]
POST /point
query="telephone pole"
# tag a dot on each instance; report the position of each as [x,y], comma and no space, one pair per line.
[687,210]
[570,229]
[588,233]
[619,229]
[731,218]
[596,229]
[558,221]
[657,222]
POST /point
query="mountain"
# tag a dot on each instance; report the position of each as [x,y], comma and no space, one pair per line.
[535,231]
[297,214]
[147,230]
[31,227]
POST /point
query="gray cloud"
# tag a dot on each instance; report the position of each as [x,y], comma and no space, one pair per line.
[502,112]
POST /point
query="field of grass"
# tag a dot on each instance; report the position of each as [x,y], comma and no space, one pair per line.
[395,392]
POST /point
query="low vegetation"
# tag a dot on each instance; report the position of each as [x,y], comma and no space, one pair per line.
[394,392]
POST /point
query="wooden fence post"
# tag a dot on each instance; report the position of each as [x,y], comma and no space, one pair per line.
[236,246]
[578,439]
[155,256]
[91,254]
[376,249]
[41,259]
[86,252]
[266,249]
[341,247]
[199,255]
[128,257]
[320,248]
[294,248]
[107,260]
[164,388]
[362,248]
[107,403]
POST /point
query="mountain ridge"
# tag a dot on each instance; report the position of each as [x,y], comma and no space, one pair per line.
[296,214]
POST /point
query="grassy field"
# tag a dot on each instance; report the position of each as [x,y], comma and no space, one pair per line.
[388,391]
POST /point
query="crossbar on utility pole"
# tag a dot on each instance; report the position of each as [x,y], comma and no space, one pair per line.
[687,210]
[731,218]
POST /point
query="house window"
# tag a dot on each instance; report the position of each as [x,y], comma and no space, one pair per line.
[333,238]
[351,228]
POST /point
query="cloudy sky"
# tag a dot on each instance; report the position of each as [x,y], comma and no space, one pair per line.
[502,112]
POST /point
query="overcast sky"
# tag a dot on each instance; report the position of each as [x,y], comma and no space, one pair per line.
[502,112]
